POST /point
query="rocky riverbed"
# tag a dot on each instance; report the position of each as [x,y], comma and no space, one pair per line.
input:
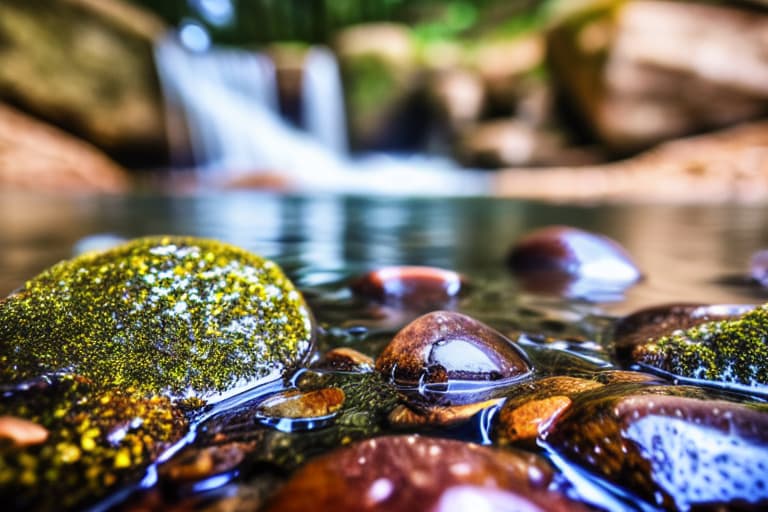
[175,372]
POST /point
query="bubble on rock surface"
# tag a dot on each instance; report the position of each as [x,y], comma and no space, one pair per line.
[170,315]
[676,447]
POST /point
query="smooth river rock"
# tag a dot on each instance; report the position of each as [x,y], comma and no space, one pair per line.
[443,347]
[420,474]
[568,261]
[677,447]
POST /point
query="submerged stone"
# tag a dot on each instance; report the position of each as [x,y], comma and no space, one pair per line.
[571,262]
[677,447]
[174,316]
[731,352]
[416,287]
[419,473]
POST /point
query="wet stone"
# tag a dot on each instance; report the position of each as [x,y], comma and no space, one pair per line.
[21,432]
[345,359]
[732,353]
[293,409]
[95,442]
[167,315]
[413,287]
[449,350]
[534,404]
[570,262]
[417,473]
[658,321]
[197,464]
[676,447]
[437,416]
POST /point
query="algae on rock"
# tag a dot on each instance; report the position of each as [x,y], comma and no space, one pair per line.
[171,316]
[728,351]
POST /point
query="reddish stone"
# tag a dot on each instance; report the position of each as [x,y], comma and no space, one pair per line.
[411,286]
[418,473]
[566,260]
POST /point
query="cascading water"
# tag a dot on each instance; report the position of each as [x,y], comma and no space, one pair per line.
[323,101]
[228,100]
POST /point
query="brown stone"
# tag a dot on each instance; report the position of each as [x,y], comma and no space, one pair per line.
[303,404]
[411,286]
[571,262]
[87,66]
[345,359]
[443,346]
[438,416]
[40,157]
[675,446]
[415,473]
[536,404]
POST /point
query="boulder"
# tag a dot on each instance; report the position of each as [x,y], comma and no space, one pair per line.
[86,66]
[37,156]
[641,72]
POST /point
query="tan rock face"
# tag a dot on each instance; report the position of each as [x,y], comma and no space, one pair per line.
[38,156]
[646,71]
[86,66]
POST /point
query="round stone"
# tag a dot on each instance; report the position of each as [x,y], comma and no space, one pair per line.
[418,473]
[175,316]
[417,287]
[572,262]
[445,346]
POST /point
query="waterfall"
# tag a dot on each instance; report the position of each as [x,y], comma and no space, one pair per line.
[323,100]
[225,101]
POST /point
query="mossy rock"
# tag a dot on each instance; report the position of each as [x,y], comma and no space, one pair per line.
[172,316]
[727,351]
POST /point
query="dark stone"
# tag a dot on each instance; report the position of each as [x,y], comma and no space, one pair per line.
[568,261]
[675,447]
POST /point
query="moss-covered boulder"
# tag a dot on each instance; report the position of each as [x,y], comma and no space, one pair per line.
[728,351]
[171,316]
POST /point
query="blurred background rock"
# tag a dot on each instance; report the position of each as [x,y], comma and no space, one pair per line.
[309,94]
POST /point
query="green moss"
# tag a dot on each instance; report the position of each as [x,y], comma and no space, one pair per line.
[167,316]
[96,442]
[731,351]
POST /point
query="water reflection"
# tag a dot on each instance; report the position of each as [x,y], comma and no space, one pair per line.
[686,252]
